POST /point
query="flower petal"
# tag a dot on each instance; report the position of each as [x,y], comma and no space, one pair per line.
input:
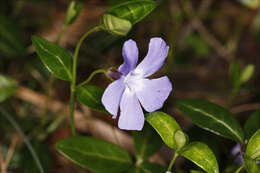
[153,93]
[132,116]
[112,96]
[130,54]
[157,53]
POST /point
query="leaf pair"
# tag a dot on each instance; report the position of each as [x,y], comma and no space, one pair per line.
[197,152]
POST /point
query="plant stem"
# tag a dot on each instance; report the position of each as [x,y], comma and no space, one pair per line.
[240,168]
[74,76]
[63,29]
[173,160]
[93,74]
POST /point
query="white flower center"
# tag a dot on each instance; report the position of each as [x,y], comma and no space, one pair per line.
[133,81]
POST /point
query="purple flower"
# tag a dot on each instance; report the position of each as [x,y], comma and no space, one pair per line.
[132,87]
[236,150]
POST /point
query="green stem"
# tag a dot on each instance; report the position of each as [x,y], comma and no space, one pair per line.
[93,74]
[63,30]
[74,75]
[240,168]
[173,160]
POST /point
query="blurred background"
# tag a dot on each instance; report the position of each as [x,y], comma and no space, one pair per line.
[212,44]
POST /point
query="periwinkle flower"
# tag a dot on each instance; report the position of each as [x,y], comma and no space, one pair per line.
[133,88]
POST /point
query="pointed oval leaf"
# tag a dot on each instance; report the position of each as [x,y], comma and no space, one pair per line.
[251,165]
[95,154]
[90,96]
[133,11]
[253,146]
[165,125]
[211,117]
[200,154]
[146,142]
[56,59]
[252,124]
[8,87]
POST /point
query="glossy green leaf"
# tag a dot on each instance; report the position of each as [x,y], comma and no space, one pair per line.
[90,96]
[133,11]
[200,154]
[252,124]
[253,146]
[57,60]
[211,117]
[115,25]
[146,142]
[251,165]
[95,154]
[11,41]
[152,168]
[165,125]
[8,86]
[73,12]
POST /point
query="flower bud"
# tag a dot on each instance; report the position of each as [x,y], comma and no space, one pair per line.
[114,74]
[115,25]
[73,12]
[180,138]
[247,73]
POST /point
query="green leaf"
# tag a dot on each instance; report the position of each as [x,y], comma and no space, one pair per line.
[133,11]
[90,96]
[11,41]
[253,146]
[95,154]
[146,142]
[56,59]
[247,73]
[252,124]
[200,154]
[251,165]
[211,117]
[165,125]
[73,12]
[152,168]
[115,25]
[8,86]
